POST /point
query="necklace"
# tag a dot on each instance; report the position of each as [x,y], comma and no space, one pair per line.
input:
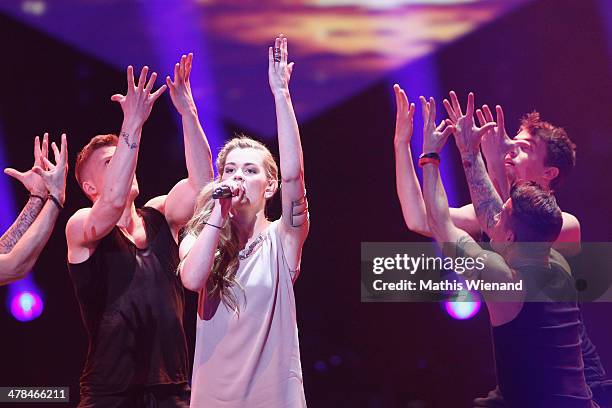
[246,252]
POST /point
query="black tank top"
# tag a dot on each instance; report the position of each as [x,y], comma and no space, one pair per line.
[132,306]
[538,355]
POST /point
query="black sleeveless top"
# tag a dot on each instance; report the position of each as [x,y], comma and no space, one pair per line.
[132,306]
[538,355]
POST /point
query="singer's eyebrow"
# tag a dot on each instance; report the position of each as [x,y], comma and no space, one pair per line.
[245,164]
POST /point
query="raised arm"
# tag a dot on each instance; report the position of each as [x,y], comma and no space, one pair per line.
[88,226]
[407,183]
[179,204]
[16,263]
[294,220]
[485,198]
[454,241]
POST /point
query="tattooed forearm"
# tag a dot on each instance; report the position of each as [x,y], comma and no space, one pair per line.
[487,202]
[126,139]
[21,224]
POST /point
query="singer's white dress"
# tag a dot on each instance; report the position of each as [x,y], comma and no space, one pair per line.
[251,359]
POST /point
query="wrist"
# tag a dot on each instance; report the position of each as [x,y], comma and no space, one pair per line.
[216,215]
[130,126]
[190,112]
[282,93]
[468,154]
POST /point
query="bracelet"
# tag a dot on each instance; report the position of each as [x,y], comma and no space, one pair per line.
[55,201]
[213,225]
[426,158]
[39,197]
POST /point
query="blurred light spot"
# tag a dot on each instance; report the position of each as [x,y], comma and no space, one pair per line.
[26,306]
[465,307]
[36,8]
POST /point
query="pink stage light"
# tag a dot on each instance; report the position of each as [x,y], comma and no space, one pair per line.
[26,306]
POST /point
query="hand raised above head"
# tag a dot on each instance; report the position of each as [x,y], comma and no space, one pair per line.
[54,174]
[180,88]
[495,142]
[138,100]
[467,134]
[404,119]
[434,138]
[30,180]
[279,71]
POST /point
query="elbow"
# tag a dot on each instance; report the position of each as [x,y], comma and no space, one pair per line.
[114,201]
[421,228]
[14,271]
[298,177]
[188,282]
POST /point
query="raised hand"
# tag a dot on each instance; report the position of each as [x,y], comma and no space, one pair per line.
[279,72]
[138,101]
[467,134]
[404,119]
[54,174]
[30,180]
[180,88]
[434,138]
[495,143]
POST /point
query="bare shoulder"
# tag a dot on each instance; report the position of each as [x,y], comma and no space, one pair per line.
[79,247]
[159,203]
[465,218]
[570,221]
[74,226]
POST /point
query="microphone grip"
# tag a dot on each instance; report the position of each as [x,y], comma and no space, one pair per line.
[222,192]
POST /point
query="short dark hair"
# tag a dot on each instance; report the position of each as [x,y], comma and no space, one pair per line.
[535,215]
[94,144]
[560,150]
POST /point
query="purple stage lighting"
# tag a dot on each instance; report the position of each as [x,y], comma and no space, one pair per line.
[26,306]
[466,307]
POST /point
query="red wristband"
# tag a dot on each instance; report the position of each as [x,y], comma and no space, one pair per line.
[424,160]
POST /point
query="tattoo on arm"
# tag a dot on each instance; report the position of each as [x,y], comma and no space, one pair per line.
[487,202]
[299,208]
[21,224]
[126,139]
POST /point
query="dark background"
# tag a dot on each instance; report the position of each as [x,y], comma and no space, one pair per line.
[549,55]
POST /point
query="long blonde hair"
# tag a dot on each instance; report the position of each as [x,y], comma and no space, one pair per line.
[225,265]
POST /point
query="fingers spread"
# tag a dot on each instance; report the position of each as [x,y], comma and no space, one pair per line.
[151,83]
[13,173]
[455,104]
[480,116]
[158,93]
[45,145]
[424,110]
[64,150]
[56,152]
[449,110]
[432,110]
[500,117]
[143,78]
[130,77]
[470,105]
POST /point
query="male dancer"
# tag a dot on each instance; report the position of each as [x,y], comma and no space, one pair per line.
[537,349]
[540,152]
[123,260]
[23,242]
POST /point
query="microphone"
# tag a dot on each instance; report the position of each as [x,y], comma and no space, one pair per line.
[222,192]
